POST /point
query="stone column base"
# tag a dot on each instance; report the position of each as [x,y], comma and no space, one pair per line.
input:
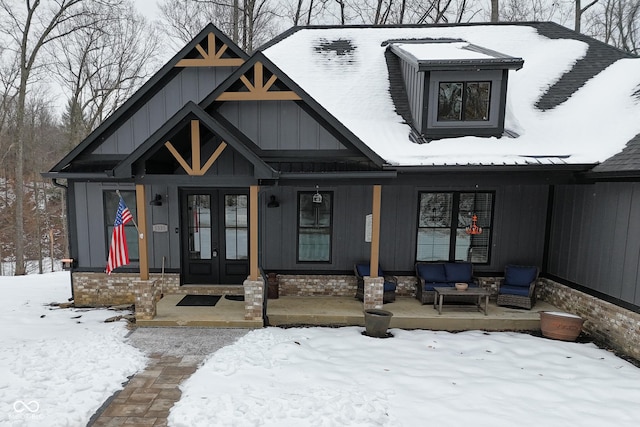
[253,298]
[373,292]
[147,294]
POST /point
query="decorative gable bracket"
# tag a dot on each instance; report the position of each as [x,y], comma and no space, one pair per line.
[195,169]
[211,57]
[259,90]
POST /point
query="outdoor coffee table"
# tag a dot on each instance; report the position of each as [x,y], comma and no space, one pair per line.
[479,292]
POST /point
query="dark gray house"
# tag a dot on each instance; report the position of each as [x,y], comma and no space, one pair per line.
[331,145]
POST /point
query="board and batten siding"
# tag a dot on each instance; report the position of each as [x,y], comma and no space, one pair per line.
[594,238]
[191,84]
[279,125]
[91,240]
[517,238]
[414,84]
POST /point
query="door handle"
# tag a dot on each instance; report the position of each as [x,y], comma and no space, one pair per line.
[214,253]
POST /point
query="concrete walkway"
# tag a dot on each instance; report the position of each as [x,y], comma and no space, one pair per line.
[175,354]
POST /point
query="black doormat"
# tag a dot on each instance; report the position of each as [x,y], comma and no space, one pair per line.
[234,297]
[201,300]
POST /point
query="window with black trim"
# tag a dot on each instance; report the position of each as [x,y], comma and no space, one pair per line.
[315,218]
[111,200]
[236,227]
[464,101]
[443,218]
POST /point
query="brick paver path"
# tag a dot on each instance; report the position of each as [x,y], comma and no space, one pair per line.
[149,395]
[174,355]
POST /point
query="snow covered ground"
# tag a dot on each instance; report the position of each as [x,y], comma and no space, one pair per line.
[338,377]
[57,366]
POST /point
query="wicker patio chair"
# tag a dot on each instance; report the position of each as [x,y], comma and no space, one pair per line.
[518,288]
[363,269]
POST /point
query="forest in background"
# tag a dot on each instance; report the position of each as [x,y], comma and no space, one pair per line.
[66,65]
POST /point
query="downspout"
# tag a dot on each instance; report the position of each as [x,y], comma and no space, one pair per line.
[66,199]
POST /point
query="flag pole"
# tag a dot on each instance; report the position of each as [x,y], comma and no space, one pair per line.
[132,218]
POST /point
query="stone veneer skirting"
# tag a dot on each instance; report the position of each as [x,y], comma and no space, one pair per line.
[606,323]
[303,285]
[101,290]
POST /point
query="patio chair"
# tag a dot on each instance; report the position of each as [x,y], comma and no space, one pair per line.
[363,269]
[518,288]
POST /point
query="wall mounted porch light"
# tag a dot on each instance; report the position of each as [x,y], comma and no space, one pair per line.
[156,201]
[273,202]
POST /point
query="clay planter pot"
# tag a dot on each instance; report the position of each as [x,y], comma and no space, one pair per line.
[560,326]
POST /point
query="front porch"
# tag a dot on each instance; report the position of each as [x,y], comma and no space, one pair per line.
[408,313]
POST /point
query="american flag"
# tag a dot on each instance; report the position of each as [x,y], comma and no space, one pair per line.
[118,252]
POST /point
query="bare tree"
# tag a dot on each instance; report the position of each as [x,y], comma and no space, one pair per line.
[100,67]
[617,22]
[249,22]
[29,26]
[579,11]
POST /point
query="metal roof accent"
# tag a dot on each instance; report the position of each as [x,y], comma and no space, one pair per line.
[478,57]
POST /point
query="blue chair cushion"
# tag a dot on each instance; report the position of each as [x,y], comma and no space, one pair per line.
[389,286]
[365,270]
[459,272]
[515,275]
[514,290]
[428,286]
[432,272]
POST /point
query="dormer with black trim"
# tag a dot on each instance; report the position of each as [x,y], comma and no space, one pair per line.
[454,88]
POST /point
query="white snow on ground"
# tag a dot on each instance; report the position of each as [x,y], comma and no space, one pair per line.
[57,366]
[338,377]
[57,369]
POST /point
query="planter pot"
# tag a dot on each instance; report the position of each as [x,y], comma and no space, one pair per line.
[560,326]
[377,322]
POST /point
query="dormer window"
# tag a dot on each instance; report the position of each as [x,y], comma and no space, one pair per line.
[454,88]
[464,101]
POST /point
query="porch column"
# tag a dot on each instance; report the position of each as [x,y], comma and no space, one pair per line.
[374,285]
[142,232]
[254,271]
[375,230]
[254,285]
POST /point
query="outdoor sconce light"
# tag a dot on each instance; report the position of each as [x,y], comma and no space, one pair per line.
[273,202]
[156,201]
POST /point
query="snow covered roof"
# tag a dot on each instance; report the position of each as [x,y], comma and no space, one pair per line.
[452,54]
[344,69]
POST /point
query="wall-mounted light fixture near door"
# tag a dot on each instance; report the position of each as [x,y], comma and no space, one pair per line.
[157,200]
[273,202]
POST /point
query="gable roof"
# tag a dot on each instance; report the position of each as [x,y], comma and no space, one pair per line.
[152,86]
[191,109]
[344,69]
[333,125]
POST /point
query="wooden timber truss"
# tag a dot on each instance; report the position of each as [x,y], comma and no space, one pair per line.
[210,57]
[259,90]
[196,169]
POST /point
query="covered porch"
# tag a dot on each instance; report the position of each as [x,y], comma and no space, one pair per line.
[408,313]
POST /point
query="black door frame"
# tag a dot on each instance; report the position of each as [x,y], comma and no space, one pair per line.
[222,271]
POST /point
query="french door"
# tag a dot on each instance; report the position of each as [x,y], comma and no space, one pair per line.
[214,232]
